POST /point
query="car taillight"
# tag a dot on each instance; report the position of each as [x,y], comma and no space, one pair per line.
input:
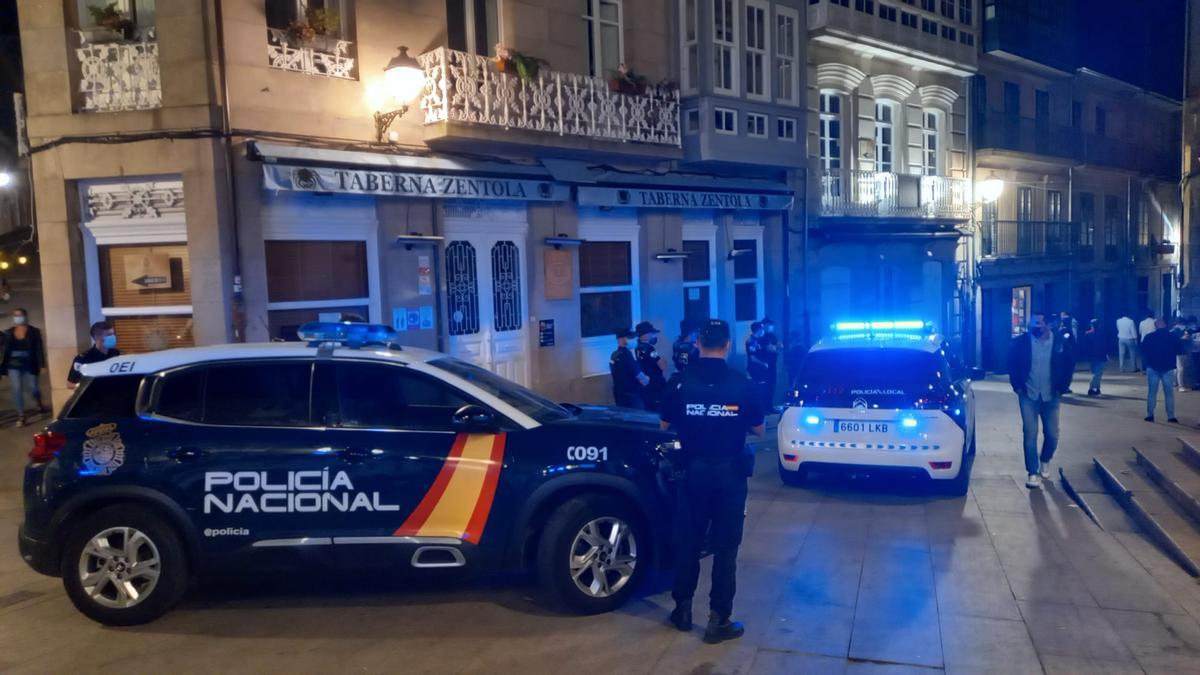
[46,446]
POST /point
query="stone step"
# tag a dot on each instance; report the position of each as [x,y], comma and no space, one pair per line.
[1191,453]
[1173,474]
[1164,522]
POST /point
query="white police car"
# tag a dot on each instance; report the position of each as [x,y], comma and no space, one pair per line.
[881,397]
[343,451]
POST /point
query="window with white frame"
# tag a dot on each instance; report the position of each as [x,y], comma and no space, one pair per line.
[699,269]
[908,19]
[609,283]
[756,125]
[887,13]
[140,12]
[137,263]
[758,50]
[787,49]
[931,147]
[885,112]
[331,16]
[691,121]
[689,56]
[603,28]
[473,26]
[725,46]
[1054,206]
[831,131]
[785,128]
[965,11]
[725,121]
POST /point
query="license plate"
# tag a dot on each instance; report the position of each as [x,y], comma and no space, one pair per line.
[856,427]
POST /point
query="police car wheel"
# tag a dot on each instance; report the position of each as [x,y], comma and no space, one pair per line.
[123,566]
[795,478]
[589,555]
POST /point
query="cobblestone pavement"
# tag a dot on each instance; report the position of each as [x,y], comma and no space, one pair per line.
[838,578]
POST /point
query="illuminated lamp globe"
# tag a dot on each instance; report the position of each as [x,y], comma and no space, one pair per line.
[4,265]
[6,179]
[403,77]
[22,260]
[990,189]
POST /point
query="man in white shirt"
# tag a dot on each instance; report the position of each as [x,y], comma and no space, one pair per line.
[1127,342]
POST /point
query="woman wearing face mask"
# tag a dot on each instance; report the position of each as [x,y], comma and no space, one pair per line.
[104,347]
[24,358]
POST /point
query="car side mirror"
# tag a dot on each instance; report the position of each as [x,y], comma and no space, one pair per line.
[977,374]
[474,418]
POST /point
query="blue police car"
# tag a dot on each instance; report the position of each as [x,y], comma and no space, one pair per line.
[881,397]
[340,450]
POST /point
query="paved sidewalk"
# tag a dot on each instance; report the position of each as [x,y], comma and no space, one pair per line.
[834,579]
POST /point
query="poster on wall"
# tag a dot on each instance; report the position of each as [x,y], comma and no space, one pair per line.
[424,276]
[558,274]
[546,333]
[147,271]
[400,318]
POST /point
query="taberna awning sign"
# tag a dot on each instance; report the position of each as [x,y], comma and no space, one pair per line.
[683,199]
[405,184]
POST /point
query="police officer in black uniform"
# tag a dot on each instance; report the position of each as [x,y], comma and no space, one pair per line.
[651,364]
[684,351]
[627,378]
[104,347]
[771,347]
[756,358]
[711,407]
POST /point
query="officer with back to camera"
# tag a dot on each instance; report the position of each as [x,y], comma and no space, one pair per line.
[711,407]
[684,351]
[627,378]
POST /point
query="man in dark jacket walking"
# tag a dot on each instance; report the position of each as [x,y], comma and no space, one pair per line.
[23,360]
[1040,365]
[1094,351]
[1159,349]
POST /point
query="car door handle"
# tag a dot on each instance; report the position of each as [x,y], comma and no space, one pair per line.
[184,454]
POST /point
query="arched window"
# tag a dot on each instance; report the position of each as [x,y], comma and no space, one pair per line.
[885,132]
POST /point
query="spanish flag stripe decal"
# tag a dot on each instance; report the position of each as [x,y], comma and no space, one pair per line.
[418,517]
[484,506]
[459,500]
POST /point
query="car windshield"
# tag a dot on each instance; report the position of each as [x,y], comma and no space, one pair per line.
[541,409]
[904,369]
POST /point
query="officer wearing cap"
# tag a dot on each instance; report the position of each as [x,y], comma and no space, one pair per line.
[684,351]
[627,379]
[711,407]
[650,363]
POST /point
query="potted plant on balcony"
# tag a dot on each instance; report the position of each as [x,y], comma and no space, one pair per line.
[514,62]
[318,28]
[623,80]
[111,23]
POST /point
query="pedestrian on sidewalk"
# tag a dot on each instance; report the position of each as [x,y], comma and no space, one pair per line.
[104,347]
[23,360]
[1127,343]
[1093,350]
[1039,370]
[1159,350]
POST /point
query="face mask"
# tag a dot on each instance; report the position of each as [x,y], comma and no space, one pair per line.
[110,342]
[1037,328]
[653,339]
[19,320]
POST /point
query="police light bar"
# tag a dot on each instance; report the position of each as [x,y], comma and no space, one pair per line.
[348,333]
[873,326]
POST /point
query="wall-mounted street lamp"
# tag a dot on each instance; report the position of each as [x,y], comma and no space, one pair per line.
[560,240]
[417,239]
[6,179]
[990,188]
[671,254]
[403,79]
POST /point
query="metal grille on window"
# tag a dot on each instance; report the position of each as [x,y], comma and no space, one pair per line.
[506,286]
[462,288]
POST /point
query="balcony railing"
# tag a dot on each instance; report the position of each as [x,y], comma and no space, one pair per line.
[118,75]
[1036,137]
[330,57]
[1028,239]
[877,193]
[462,87]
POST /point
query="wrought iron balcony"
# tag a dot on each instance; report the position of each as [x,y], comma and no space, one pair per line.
[1028,239]
[878,193]
[462,87]
[326,56]
[118,75]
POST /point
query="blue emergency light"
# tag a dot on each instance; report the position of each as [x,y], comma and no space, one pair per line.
[348,333]
[876,326]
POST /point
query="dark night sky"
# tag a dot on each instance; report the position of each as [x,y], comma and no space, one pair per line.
[1139,41]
